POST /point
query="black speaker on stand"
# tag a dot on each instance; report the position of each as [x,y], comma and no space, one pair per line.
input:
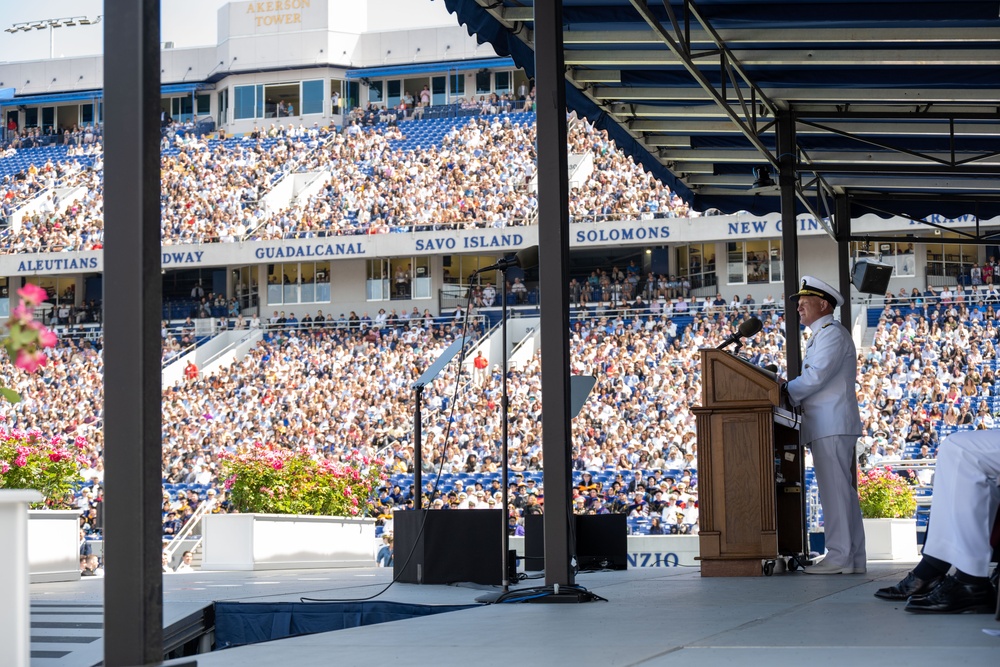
[454,546]
[601,542]
[871,277]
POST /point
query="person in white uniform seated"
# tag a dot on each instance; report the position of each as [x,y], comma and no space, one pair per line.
[963,512]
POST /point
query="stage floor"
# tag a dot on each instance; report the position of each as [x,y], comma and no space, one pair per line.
[652,617]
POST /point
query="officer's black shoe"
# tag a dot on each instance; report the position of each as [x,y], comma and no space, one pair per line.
[910,585]
[954,597]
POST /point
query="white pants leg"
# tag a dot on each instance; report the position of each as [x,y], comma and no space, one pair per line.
[833,459]
[965,500]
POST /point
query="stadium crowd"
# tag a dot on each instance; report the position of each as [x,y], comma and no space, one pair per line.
[344,385]
[214,190]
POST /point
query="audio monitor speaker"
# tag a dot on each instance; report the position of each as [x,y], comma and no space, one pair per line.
[448,546]
[601,542]
[870,277]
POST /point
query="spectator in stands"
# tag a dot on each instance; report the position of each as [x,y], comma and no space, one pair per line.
[384,556]
[831,423]
[519,291]
[185,565]
[964,508]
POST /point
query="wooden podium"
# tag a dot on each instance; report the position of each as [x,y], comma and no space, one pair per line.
[751,484]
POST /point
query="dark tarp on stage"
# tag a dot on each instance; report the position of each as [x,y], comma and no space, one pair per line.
[238,623]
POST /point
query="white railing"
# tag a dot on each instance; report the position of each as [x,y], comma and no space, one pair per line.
[188,529]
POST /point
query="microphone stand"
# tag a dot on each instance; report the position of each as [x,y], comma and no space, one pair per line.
[504,472]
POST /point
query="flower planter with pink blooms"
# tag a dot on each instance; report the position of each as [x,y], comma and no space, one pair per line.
[888,506]
[293,508]
[31,462]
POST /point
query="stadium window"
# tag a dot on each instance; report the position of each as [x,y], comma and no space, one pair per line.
[375,92]
[901,256]
[4,297]
[439,90]
[696,262]
[315,279]
[393,93]
[456,82]
[377,280]
[48,118]
[86,113]
[282,284]
[203,105]
[753,262]
[483,82]
[31,117]
[322,279]
[353,92]
[244,102]
[421,288]
[312,96]
[777,265]
[282,101]
[245,286]
[180,108]
[259,101]
[952,261]
[223,108]
[290,287]
[60,291]
[501,82]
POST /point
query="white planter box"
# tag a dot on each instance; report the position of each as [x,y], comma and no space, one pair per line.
[286,542]
[891,539]
[53,545]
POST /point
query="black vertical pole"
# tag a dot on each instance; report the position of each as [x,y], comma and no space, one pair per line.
[553,245]
[504,418]
[842,222]
[133,587]
[418,444]
[787,156]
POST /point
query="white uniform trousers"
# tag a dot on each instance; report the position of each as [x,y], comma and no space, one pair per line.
[965,500]
[833,460]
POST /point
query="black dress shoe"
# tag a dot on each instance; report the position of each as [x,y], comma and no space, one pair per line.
[954,597]
[910,585]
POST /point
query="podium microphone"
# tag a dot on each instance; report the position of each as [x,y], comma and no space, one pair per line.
[525,258]
[746,329]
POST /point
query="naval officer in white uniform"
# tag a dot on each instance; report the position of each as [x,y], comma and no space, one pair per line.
[831,424]
[963,511]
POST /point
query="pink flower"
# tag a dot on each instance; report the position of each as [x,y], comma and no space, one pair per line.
[4,466]
[32,294]
[20,316]
[46,338]
[21,461]
[80,441]
[278,465]
[229,483]
[30,361]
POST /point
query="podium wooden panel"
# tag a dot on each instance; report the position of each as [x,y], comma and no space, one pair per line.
[745,516]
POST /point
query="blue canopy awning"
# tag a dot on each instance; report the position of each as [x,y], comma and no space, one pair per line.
[89,95]
[384,71]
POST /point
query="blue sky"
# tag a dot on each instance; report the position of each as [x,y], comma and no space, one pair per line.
[184,22]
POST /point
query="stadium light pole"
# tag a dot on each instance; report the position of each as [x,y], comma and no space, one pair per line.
[51,25]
